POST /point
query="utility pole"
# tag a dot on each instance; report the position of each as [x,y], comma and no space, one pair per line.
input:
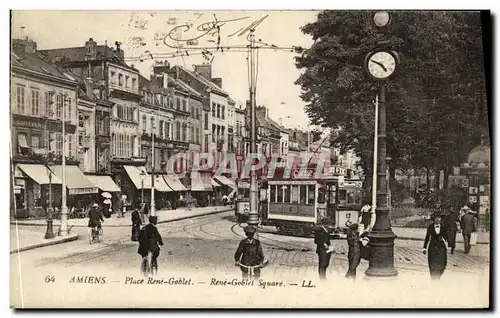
[153,210]
[253,215]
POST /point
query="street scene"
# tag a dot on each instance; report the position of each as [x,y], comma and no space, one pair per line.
[212,160]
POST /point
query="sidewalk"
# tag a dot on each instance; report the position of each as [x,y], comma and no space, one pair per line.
[31,239]
[418,234]
[31,232]
[114,221]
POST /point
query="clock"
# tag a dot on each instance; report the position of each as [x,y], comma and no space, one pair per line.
[382,19]
[381,64]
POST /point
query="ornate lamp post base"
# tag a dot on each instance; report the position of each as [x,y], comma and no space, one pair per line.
[382,254]
[50,229]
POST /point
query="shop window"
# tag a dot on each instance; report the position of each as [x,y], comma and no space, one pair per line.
[311,194]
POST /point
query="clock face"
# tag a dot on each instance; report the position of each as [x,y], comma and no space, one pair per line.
[381,65]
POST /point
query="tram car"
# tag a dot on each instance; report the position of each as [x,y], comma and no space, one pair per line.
[297,206]
[242,201]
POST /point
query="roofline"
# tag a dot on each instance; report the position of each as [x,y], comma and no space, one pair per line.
[59,79]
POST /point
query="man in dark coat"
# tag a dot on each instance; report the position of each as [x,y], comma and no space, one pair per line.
[322,241]
[468,226]
[249,253]
[95,217]
[150,241]
[451,229]
[435,247]
[136,225]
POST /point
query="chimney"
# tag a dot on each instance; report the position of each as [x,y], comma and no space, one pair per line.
[217,81]
[90,49]
[204,70]
[25,45]
[119,51]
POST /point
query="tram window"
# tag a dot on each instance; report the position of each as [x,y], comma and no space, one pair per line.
[311,194]
[295,194]
[342,196]
[321,195]
[350,197]
[287,193]
[358,197]
[332,197]
[280,193]
[303,194]
[272,194]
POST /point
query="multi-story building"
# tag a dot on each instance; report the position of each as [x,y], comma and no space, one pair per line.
[86,133]
[43,98]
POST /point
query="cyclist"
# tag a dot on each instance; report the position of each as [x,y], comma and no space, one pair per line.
[149,242]
[249,253]
[95,218]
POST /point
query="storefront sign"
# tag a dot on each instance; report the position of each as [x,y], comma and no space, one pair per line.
[39,123]
[78,191]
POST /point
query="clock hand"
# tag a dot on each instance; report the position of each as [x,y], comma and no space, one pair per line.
[381,65]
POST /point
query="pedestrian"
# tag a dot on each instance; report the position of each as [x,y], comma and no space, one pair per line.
[354,251]
[149,246]
[136,225]
[468,225]
[435,247]
[249,253]
[323,245]
[365,218]
[224,200]
[451,221]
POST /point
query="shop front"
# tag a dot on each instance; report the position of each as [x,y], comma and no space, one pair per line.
[142,181]
[202,189]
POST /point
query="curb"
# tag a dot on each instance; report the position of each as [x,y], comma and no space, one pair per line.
[70,238]
[128,225]
[407,238]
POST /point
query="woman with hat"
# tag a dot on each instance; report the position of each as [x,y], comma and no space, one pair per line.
[435,247]
[249,252]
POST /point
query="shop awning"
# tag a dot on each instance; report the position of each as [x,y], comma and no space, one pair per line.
[199,184]
[134,174]
[215,183]
[76,181]
[174,182]
[225,181]
[39,173]
[105,183]
[160,183]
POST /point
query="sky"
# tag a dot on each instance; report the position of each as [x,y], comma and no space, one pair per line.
[142,33]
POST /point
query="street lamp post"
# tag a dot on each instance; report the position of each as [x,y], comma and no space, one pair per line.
[143,176]
[64,229]
[381,65]
[50,230]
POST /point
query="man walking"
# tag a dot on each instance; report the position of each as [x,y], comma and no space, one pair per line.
[468,226]
[149,244]
[322,241]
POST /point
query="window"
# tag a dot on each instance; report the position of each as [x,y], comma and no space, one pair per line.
[48,105]
[20,99]
[279,198]
[321,195]
[184,104]
[206,120]
[161,129]
[67,108]
[295,194]
[206,143]
[134,83]
[153,124]
[184,132]
[178,131]
[218,111]
[59,105]
[171,102]
[213,132]
[178,103]
[167,130]
[287,190]
[158,99]
[113,79]
[303,194]
[198,136]
[272,193]
[59,144]
[127,81]
[35,142]
[120,79]
[81,120]
[35,98]
[144,124]
[214,106]
[223,111]
[311,194]
[193,138]
[69,143]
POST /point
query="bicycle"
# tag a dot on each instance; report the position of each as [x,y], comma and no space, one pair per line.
[95,235]
[147,267]
[251,269]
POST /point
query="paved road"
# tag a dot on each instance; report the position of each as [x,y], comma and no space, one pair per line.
[209,242]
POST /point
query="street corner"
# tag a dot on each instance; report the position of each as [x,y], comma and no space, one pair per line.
[29,241]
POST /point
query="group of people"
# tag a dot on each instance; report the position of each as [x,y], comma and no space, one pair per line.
[441,235]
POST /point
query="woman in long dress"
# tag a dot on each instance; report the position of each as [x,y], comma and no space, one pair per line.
[136,225]
[435,247]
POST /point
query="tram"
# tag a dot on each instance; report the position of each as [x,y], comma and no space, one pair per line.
[242,201]
[298,205]
[349,201]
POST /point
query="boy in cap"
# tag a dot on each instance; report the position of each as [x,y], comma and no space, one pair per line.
[249,252]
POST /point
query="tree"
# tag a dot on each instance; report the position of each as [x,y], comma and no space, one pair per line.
[436,105]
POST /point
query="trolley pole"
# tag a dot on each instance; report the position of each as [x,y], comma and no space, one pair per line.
[253,215]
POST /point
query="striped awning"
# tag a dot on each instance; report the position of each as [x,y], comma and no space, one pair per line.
[39,173]
[225,181]
[105,183]
[173,181]
[76,181]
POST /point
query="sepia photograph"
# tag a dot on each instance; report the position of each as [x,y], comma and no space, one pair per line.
[250,159]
